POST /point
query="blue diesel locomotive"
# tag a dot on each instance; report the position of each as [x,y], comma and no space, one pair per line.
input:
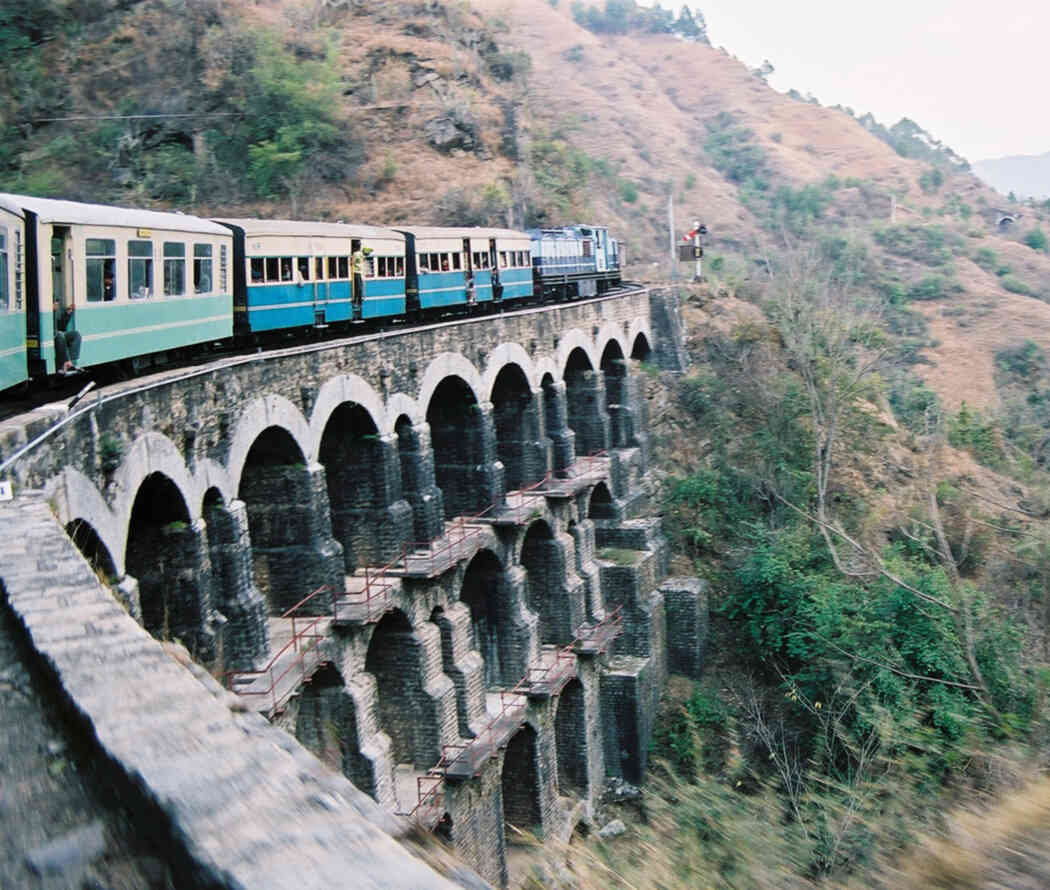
[92,285]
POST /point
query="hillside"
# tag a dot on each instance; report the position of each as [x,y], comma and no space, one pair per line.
[851,701]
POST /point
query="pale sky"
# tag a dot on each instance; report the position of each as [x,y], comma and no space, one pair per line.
[974,74]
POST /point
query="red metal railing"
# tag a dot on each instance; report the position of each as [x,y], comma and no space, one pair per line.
[277,672]
[516,499]
[468,756]
[375,597]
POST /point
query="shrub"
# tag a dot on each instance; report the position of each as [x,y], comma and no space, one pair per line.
[931,180]
[932,287]
[628,192]
[1025,361]
[986,258]
[1016,286]
[967,429]
[1036,239]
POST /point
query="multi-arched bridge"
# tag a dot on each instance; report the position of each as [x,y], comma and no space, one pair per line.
[426,553]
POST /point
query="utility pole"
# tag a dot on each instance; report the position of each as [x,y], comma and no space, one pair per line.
[696,243]
[670,232]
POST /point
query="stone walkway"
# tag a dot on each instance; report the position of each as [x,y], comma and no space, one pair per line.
[60,824]
[242,804]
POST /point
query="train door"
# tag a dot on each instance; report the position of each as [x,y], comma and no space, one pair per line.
[468,269]
[599,250]
[497,284]
[63,297]
[357,284]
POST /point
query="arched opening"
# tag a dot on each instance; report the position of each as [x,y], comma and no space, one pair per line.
[585,405]
[614,372]
[544,565]
[516,419]
[395,659]
[327,725]
[457,436]
[353,462]
[87,541]
[520,782]
[490,618]
[290,540]
[570,735]
[164,555]
[601,505]
[641,350]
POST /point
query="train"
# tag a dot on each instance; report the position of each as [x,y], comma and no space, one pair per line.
[89,285]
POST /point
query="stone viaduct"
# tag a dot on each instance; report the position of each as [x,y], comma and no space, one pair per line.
[492,623]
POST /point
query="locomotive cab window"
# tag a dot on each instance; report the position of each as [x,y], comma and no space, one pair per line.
[588,248]
[174,269]
[202,271]
[101,269]
[4,297]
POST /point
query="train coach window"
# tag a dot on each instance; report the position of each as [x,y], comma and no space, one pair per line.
[272,269]
[318,268]
[344,267]
[100,266]
[258,271]
[174,269]
[399,268]
[202,268]
[303,264]
[286,268]
[435,262]
[503,259]
[140,269]
[457,262]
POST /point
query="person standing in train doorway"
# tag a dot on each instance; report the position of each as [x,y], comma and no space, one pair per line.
[357,269]
[67,340]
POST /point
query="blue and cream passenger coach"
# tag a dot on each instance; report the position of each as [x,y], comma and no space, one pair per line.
[140,283]
[290,274]
[452,267]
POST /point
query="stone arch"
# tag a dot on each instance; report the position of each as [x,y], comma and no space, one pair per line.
[154,453]
[327,724]
[352,456]
[168,555]
[640,349]
[461,438]
[336,392]
[293,552]
[568,342]
[261,414]
[585,403]
[601,505]
[508,354]
[570,736]
[639,327]
[610,331]
[395,659]
[516,418]
[91,546]
[449,364]
[544,563]
[521,785]
[614,375]
[484,593]
[76,497]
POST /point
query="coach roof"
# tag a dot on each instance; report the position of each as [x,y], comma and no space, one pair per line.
[49,210]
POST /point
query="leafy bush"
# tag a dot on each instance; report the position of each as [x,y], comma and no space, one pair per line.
[986,258]
[930,245]
[967,429]
[1036,239]
[628,191]
[1016,286]
[1025,362]
[931,180]
[732,151]
[932,287]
